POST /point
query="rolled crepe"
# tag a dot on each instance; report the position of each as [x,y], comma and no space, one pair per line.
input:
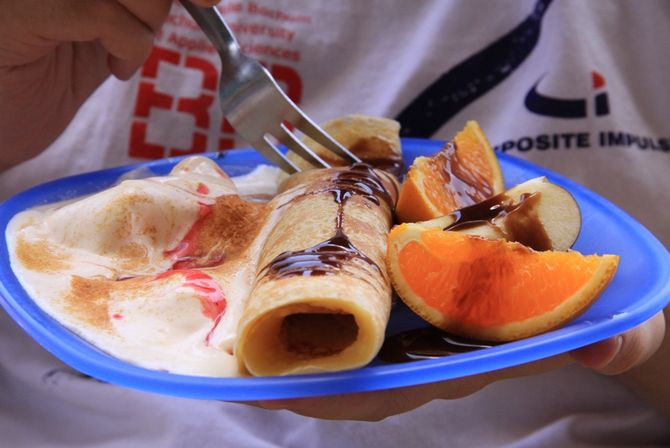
[322,297]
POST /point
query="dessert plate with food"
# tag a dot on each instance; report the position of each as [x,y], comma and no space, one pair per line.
[221,277]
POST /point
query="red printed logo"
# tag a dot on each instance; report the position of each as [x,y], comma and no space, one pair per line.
[205,134]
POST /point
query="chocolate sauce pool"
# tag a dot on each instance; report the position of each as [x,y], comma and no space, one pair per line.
[426,343]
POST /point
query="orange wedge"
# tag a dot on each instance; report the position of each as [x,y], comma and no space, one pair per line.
[464,172]
[492,289]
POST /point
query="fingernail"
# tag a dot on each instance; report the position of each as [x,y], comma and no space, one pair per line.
[600,354]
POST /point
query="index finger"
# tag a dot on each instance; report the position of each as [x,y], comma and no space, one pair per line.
[152,13]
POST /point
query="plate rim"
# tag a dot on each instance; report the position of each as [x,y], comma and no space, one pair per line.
[97,364]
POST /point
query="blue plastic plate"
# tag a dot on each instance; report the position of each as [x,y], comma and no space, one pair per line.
[640,289]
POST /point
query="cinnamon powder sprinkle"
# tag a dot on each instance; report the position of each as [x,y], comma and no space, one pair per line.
[40,256]
[229,229]
[88,300]
[132,256]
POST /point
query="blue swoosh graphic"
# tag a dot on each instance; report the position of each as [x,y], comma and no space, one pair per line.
[554,107]
[472,78]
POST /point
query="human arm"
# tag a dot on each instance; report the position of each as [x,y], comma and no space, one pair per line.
[55,53]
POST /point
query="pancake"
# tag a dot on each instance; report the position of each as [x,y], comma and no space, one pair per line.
[322,297]
[375,140]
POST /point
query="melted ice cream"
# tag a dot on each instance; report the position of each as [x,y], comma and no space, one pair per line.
[153,271]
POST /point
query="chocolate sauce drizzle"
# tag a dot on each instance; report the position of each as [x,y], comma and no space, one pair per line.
[328,257]
[325,258]
[522,223]
[427,343]
[360,179]
[468,185]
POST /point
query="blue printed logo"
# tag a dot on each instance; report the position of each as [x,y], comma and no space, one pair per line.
[568,107]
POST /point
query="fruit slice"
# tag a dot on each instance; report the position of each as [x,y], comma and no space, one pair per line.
[492,289]
[464,172]
[536,213]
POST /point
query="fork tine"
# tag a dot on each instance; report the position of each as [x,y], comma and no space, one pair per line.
[254,103]
[294,144]
[272,153]
[304,124]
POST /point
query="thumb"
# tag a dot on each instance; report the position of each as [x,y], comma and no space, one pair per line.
[623,352]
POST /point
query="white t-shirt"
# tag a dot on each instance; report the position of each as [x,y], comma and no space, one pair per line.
[576,86]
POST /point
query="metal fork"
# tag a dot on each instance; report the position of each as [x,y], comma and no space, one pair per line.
[255,105]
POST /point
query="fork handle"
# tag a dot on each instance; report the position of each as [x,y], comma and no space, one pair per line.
[217,31]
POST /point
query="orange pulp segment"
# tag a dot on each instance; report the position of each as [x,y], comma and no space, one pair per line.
[493,290]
